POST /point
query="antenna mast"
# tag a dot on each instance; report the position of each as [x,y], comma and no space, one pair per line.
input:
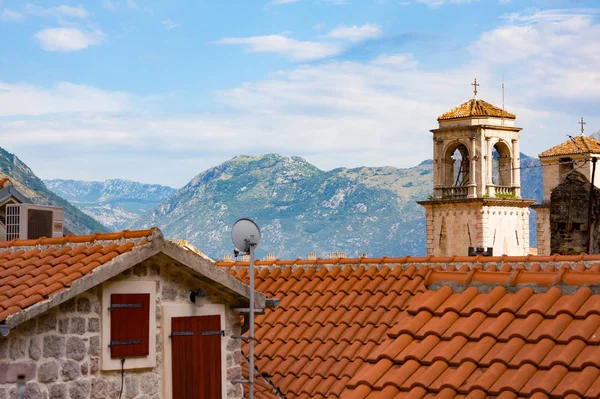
[245,235]
[503,100]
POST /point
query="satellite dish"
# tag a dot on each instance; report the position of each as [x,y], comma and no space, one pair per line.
[245,233]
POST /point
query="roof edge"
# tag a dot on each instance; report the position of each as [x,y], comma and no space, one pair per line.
[428,260]
[99,275]
[156,244]
[204,266]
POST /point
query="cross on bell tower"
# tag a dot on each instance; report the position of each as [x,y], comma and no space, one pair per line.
[475,88]
[582,123]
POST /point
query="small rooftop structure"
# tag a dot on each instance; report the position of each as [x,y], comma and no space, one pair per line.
[574,145]
[476,107]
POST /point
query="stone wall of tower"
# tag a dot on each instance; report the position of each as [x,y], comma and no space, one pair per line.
[542,219]
[452,227]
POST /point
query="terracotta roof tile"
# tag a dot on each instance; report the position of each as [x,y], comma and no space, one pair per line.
[33,270]
[525,351]
[576,145]
[475,107]
[375,330]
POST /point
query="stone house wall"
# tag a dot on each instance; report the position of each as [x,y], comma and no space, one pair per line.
[59,351]
[569,217]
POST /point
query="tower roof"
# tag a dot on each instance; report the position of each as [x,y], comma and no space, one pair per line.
[476,107]
[576,145]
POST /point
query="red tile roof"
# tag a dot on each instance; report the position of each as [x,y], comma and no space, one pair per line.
[575,145]
[33,270]
[476,107]
[487,344]
[5,182]
[263,388]
[394,328]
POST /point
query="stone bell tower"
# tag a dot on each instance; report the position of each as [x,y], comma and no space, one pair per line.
[477,195]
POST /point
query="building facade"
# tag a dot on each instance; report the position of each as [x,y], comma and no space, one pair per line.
[113,315]
[563,221]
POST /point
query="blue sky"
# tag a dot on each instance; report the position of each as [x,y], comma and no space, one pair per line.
[158,91]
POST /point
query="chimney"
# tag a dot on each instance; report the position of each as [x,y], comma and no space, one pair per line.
[270,257]
[335,255]
[227,258]
[362,255]
[312,256]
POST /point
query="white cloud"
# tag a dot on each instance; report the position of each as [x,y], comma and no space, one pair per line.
[68,39]
[10,15]
[437,3]
[19,100]
[279,44]
[334,2]
[555,50]
[76,12]
[356,33]
[56,12]
[281,2]
[168,24]
[134,6]
[334,113]
[306,50]
[111,5]
[398,60]
[533,16]
[114,5]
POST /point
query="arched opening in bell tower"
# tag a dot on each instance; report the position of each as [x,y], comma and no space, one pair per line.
[457,162]
[501,165]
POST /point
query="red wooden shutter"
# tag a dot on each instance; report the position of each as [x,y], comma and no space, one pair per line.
[196,357]
[129,325]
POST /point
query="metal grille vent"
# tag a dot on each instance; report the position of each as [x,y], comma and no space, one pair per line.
[13,221]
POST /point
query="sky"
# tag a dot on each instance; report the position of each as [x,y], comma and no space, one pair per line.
[158,91]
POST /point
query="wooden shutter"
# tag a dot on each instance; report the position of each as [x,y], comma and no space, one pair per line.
[196,357]
[129,325]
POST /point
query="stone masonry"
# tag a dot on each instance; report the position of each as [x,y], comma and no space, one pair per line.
[568,217]
[59,351]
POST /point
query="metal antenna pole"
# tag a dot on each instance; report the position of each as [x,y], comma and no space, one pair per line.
[20,386]
[251,315]
[502,99]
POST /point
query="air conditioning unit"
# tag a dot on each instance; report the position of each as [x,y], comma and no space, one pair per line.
[30,221]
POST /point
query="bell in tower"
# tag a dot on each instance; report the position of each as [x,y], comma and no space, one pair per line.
[477,195]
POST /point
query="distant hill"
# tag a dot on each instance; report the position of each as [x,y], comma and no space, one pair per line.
[301,208]
[114,203]
[33,188]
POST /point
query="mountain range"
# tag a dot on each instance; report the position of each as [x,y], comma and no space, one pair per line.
[114,203]
[301,208]
[33,188]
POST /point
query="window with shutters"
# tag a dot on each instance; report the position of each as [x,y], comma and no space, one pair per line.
[128,324]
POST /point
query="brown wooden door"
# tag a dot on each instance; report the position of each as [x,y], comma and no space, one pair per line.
[196,357]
